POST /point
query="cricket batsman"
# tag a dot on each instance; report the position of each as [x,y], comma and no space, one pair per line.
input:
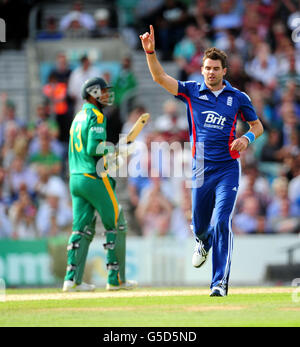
[212,111]
[91,192]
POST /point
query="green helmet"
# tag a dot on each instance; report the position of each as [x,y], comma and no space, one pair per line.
[95,87]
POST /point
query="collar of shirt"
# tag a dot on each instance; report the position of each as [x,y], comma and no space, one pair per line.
[228,86]
[89,105]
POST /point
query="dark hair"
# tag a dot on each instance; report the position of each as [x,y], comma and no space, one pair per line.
[215,54]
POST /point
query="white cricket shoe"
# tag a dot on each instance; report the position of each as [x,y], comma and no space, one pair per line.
[218,291]
[200,255]
[126,285]
[70,286]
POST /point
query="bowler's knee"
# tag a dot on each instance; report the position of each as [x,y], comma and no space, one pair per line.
[222,224]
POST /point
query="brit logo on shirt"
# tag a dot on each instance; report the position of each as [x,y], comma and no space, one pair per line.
[214,120]
[229,101]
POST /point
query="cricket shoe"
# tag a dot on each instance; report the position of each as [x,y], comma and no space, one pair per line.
[70,286]
[218,291]
[200,255]
[126,285]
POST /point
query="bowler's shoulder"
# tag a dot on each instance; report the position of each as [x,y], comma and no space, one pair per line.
[242,96]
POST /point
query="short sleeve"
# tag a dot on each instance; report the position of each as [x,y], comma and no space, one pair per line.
[96,132]
[248,113]
[187,89]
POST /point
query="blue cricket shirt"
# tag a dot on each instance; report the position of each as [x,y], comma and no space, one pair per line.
[212,120]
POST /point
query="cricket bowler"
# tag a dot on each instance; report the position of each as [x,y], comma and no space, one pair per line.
[91,192]
[213,108]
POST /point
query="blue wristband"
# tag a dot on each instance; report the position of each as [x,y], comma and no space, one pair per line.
[250,136]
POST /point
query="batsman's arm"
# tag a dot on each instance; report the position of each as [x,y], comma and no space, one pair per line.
[158,74]
[96,137]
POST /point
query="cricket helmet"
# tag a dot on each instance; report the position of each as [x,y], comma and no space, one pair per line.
[98,88]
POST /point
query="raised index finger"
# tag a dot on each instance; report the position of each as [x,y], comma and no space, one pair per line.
[151,30]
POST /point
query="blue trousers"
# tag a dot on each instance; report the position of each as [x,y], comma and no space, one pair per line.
[213,200]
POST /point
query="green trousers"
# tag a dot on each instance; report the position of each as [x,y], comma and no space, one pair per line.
[91,193]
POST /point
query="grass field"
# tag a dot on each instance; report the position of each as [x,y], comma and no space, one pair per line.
[151,307]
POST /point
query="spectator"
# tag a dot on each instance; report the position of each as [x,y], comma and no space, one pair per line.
[286,8]
[146,12]
[42,116]
[289,71]
[85,20]
[124,88]
[19,176]
[236,74]
[54,215]
[103,26]
[249,221]
[264,107]
[228,17]
[56,93]
[290,122]
[253,178]
[285,221]
[47,182]
[5,197]
[172,20]
[51,31]
[280,190]
[203,13]
[12,131]
[154,214]
[5,201]
[126,81]
[62,70]
[252,20]
[249,191]
[171,124]
[46,156]
[293,148]
[282,44]
[8,116]
[43,131]
[264,66]
[76,30]
[186,48]
[194,67]
[266,10]
[189,51]
[22,214]
[229,41]
[182,215]
[78,77]
[5,224]
[137,182]
[271,150]
[294,184]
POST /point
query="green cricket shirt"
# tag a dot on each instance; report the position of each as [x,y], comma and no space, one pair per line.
[88,129]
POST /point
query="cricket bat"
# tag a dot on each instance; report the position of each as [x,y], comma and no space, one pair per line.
[123,148]
[136,129]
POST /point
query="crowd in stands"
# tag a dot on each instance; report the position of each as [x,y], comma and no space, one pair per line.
[263,61]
